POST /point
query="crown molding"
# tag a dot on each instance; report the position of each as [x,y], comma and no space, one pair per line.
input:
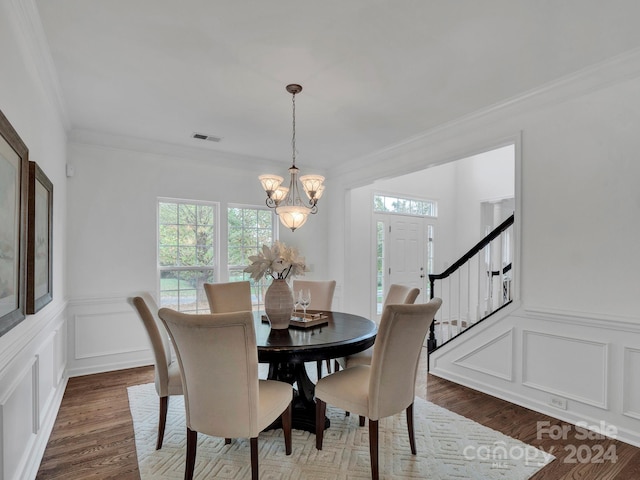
[617,69]
[135,144]
[34,43]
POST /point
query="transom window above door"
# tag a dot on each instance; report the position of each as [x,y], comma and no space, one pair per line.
[404,206]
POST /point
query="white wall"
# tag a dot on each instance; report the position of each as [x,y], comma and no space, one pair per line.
[577,206]
[488,176]
[32,354]
[112,234]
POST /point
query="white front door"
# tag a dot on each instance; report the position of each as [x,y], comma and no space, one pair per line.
[407,253]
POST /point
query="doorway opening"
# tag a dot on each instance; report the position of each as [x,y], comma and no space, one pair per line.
[468,193]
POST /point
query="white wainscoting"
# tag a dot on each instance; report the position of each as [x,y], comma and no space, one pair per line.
[19,418]
[493,358]
[579,367]
[32,383]
[569,365]
[631,382]
[105,334]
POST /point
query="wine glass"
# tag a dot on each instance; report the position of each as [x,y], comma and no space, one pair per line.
[296,303]
[304,299]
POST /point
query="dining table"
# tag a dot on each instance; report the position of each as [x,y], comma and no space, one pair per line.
[287,350]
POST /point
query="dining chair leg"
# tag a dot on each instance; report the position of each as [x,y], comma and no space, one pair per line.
[373,448]
[336,366]
[286,428]
[321,410]
[192,444]
[412,438]
[328,365]
[254,458]
[162,420]
[361,421]
[319,368]
[227,441]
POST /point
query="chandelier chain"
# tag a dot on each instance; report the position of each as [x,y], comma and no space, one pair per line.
[293,137]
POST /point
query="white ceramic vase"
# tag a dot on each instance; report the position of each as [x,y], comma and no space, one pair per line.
[278,304]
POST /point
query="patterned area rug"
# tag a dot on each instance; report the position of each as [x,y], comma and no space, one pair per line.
[449,447]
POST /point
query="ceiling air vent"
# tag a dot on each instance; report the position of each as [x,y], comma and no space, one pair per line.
[202,136]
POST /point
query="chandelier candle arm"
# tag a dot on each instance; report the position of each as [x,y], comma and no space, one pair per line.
[289,207]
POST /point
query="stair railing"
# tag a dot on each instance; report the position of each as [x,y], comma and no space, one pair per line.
[475,286]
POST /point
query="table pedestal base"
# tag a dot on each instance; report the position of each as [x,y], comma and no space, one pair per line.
[304,406]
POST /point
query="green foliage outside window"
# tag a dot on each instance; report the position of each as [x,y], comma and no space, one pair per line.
[407,206]
[248,229]
[186,254]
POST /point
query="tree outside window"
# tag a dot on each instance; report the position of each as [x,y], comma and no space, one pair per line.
[187,232]
[248,229]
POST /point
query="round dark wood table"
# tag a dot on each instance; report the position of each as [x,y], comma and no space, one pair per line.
[286,352]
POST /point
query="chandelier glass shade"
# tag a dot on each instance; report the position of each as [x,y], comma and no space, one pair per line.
[293,210]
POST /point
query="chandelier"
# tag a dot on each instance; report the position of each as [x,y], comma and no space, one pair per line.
[290,208]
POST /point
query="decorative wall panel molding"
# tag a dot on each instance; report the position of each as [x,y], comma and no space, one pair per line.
[595,320]
[108,333]
[46,375]
[18,418]
[631,383]
[569,367]
[494,357]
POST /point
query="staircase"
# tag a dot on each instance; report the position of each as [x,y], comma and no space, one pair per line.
[475,287]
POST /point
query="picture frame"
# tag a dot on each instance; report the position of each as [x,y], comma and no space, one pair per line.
[14,177]
[39,239]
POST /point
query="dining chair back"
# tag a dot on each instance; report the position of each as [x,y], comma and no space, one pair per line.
[321,299]
[397,294]
[167,372]
[218,359]
[229,297]
[321,292]
[387,386]
[400,294]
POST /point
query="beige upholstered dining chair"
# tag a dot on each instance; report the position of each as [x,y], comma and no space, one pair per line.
[229,297]
[397,294]
[321,299]
[387,386]
[218,359]
[167,372]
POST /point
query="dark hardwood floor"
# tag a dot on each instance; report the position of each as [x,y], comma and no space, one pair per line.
[93,434]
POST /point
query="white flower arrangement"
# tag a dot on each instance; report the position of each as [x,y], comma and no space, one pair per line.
[279,262]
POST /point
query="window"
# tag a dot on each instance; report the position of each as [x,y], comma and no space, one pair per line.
[187,233]
[249,228]
[430,257]
[405,206]
[380,266]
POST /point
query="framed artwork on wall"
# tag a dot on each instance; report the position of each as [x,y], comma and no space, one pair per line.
[39,240]
[14,176]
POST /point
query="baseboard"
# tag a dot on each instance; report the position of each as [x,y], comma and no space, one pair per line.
[623,435]
[107,367]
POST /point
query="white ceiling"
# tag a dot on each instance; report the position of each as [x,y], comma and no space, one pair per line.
[374,72]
